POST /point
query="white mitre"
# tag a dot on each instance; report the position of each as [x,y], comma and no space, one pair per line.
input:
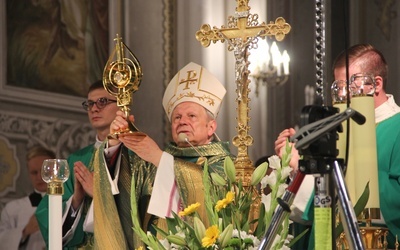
[194,83]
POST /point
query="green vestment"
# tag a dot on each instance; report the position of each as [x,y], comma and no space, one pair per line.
[144,176]
[388,144]
[189,175]
[388,152]
[112,213]
[80,238]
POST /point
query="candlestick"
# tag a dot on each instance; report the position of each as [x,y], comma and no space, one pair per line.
[55,172]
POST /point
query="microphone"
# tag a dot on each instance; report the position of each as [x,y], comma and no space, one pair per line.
[184,138]
[358,117]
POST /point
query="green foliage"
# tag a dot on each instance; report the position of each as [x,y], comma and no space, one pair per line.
[228,205]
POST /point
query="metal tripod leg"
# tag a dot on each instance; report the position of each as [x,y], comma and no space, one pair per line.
[347,214]
[281,212]
[324,190]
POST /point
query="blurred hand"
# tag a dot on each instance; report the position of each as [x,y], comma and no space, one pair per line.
[83,184]
[120,123]
[140,143]
[31,227]
[280,145]
[144,146]
[84,177]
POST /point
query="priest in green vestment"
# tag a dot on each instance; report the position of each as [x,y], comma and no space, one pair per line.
[364,58]
[191,101]
[97,165]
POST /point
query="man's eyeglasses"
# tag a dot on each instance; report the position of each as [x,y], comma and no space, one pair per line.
[100,103]
[360,84]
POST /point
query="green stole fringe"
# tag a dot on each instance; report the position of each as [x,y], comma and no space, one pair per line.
[110,210]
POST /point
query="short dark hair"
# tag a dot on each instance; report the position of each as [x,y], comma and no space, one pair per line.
[96,85]
[368,58]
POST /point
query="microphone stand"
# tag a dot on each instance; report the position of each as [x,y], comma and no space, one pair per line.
[303,138]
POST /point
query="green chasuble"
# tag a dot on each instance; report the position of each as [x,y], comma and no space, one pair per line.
[189,174]
[388,144]
[112,213]
[113,208]
[388,152]
[80,238]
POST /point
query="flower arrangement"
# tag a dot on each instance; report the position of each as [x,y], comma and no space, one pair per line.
[229,208]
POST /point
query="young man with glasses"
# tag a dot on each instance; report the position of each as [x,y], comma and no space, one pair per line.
[78,216]
[364,58]
[78,190]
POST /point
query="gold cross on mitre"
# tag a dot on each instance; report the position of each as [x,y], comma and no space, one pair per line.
[242,34]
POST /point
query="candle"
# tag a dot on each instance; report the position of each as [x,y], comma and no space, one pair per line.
[267,56]
[276,58]
[275,54]
[285,60]
[55,222]
[55,172]
[364,144]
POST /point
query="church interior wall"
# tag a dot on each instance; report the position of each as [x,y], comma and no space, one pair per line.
[164,47]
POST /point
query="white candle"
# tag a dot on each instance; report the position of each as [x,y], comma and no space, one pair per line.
[276,58]
[55,172]
[55,222]
[364,136]
[278,68]
[267,56]
[285,60]
[275,54]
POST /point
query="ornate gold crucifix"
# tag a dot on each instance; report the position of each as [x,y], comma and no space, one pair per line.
[242,34]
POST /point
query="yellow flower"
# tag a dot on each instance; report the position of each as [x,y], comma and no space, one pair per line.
[211,237]
[220,205]
[230,196]
[140,248]
[190,209]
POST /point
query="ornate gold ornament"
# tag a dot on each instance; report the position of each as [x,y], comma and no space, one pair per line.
[242,34]
[121,78]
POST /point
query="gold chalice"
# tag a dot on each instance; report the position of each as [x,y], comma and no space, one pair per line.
[121,78]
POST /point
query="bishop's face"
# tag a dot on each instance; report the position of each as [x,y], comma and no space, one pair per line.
[191,119]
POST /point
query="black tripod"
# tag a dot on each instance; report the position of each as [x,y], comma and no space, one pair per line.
[317,143]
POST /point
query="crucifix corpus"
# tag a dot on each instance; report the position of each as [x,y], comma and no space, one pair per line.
[242,34]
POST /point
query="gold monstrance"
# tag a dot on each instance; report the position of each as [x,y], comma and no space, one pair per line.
[121,78]
[242,34]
